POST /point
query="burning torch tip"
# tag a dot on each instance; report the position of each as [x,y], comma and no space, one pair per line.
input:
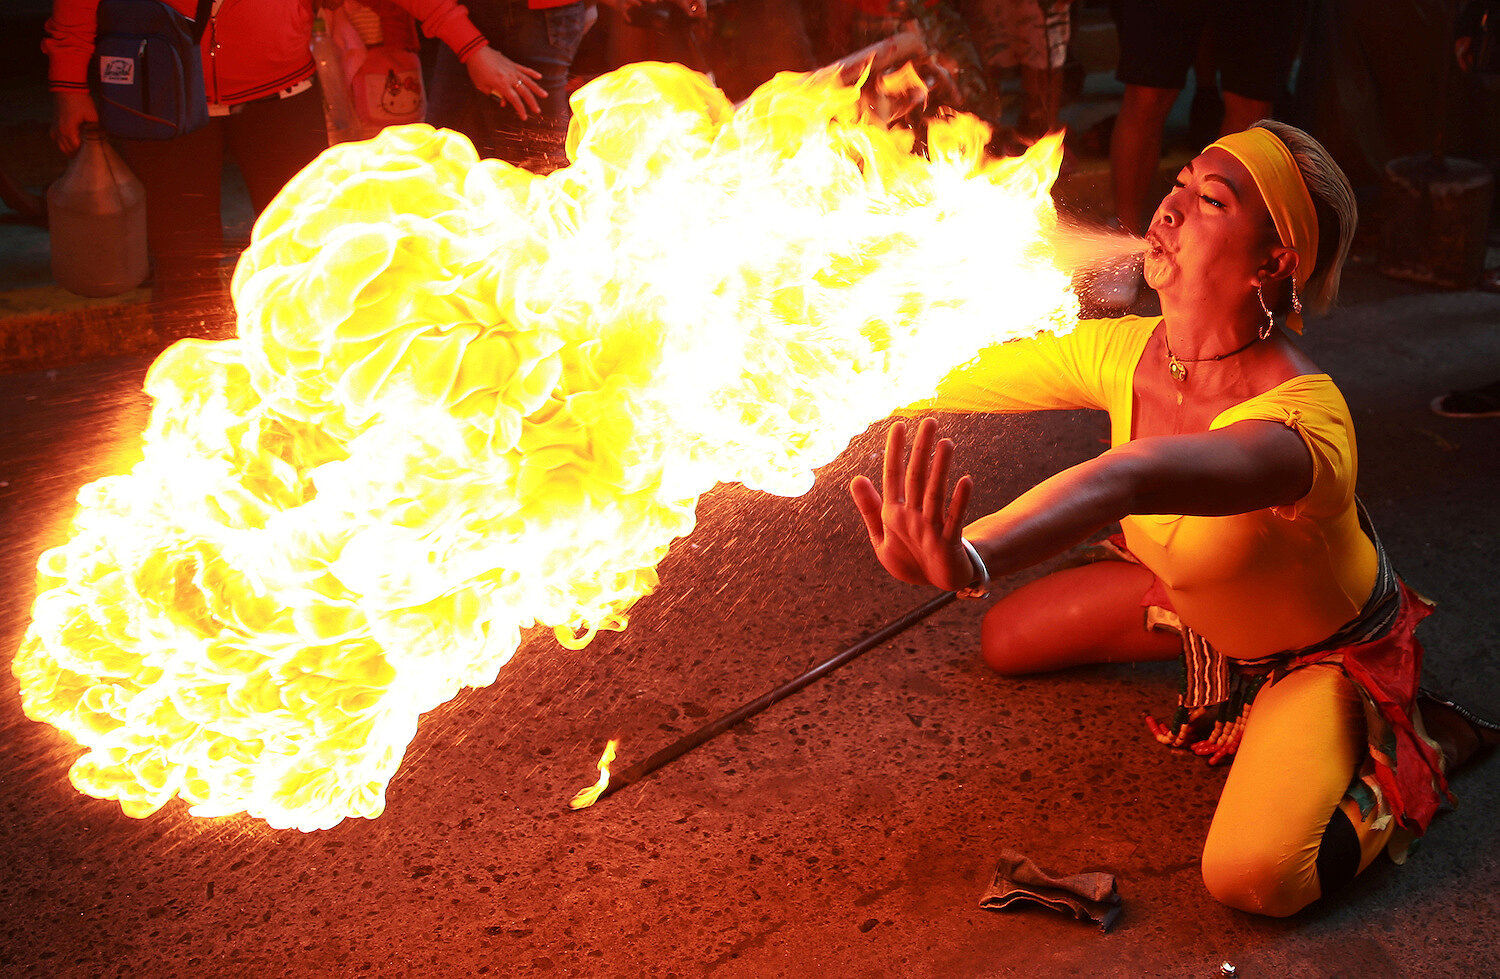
[587,797]
[583,800]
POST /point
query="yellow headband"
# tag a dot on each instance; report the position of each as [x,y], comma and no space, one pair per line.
[1285,192]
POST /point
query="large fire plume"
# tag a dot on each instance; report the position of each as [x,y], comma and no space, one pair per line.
[466,400]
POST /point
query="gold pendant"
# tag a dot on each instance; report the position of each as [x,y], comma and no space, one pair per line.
[1175,368]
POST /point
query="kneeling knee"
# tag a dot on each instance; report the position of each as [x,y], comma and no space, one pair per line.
[1260,882]
[1005,649]
[997,653]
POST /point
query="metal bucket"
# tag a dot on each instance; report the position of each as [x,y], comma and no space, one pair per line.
[1434,217]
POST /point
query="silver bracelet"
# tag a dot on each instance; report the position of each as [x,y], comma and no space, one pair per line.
[980,586]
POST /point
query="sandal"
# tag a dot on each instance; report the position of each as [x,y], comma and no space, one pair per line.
[1482,402]
[1486,732]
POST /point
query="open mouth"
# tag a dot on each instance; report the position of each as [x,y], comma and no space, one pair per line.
[1157,247]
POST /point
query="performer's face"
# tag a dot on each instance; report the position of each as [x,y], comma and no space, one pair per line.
[1212,232]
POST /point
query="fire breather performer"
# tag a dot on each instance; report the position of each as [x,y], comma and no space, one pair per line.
[1245,551]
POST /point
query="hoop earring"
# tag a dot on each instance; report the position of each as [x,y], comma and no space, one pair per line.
[1265,331]
[1296,300]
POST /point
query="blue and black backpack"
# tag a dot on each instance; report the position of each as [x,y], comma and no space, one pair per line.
[147,72]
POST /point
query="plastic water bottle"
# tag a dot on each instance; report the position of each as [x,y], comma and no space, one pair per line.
[338,107]
[96,218]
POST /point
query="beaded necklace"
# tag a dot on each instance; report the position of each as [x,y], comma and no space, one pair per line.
[1176,366]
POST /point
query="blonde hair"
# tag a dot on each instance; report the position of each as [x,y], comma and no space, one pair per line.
[1333,202]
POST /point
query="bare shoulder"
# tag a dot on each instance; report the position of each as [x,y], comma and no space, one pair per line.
[1293,360]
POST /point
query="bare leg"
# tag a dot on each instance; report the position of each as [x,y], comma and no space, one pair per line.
[1207,111]
[1241,113]
[1041,94]
[1135,150]
[1090,614]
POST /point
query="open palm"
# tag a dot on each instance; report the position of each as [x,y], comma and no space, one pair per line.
[914,526]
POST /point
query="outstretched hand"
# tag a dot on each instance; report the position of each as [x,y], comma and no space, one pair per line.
[915,527]
[695,9]
[507,81]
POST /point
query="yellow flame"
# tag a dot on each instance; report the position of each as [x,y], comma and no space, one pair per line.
[466,400]
[902,81]
[588,796]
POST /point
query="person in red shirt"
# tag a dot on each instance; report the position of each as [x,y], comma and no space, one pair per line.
[265,112]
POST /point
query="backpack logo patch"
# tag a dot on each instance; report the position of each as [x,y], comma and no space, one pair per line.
[116,71]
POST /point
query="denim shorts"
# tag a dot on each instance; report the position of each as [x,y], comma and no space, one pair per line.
[1254,42]
[544,40]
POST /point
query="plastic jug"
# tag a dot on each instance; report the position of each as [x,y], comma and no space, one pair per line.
[96,217]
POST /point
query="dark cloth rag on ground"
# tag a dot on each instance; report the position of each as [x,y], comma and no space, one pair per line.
[1088,896]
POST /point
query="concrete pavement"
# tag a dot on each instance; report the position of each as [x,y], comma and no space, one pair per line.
[849,830]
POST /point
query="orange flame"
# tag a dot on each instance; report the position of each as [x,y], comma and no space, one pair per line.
[588,796]
[466,400]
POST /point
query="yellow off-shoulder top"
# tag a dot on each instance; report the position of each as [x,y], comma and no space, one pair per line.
[1252,584]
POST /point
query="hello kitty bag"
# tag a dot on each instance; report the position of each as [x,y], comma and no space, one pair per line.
[378,41]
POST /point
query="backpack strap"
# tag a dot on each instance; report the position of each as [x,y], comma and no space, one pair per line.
[200,19]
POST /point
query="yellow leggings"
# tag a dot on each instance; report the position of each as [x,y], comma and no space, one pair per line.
[1304,739]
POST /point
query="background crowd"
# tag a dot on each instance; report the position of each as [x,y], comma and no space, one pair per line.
[1371,84]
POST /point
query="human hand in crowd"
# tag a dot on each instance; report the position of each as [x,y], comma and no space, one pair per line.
[501,78]
[695,9]
[915,527]
[1463,50]
[70,111]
